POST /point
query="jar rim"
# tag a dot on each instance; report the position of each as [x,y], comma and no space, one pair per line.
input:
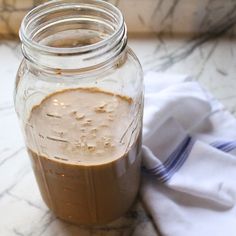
[53,5]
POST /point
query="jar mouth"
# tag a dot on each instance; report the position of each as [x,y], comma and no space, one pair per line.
[81,12]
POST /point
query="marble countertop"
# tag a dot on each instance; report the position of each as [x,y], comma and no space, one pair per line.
[210,59]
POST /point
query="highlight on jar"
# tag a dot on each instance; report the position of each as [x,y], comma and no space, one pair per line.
[79,100]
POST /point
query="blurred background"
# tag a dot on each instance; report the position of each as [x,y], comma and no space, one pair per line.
[165,17]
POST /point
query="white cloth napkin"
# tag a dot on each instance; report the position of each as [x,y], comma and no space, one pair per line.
[189,158]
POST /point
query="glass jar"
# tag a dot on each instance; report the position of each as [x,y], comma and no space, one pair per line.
[79,99]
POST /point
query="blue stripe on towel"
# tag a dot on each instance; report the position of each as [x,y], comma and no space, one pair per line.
[166,170]
[172,158]
[225,146]
[172,164]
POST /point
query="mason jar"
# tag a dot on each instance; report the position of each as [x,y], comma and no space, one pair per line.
[79,99]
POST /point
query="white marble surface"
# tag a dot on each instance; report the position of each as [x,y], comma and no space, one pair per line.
[22,212]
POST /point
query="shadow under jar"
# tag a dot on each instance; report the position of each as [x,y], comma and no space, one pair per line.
[79,99]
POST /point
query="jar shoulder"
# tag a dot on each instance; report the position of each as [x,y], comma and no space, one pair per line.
[124,77]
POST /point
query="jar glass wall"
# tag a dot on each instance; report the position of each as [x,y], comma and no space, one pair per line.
[79,99]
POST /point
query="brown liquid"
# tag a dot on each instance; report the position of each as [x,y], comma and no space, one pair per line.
[85,154]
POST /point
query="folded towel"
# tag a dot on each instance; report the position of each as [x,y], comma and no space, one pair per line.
[189,159]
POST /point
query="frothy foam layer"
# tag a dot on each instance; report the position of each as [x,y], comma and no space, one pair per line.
[84,126]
